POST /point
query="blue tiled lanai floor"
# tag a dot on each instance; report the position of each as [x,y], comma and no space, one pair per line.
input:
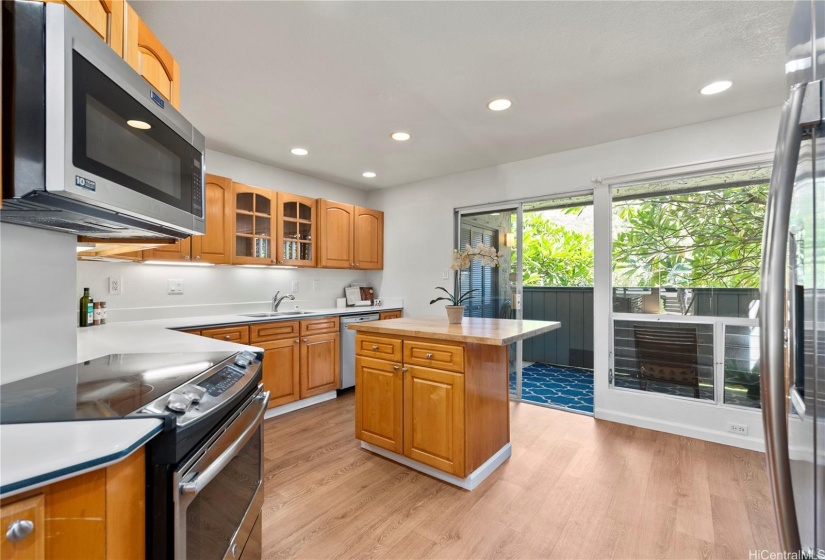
[557,386]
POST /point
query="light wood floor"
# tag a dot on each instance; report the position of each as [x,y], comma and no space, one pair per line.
[575,487]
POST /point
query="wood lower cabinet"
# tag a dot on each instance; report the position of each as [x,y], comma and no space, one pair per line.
[281,370]
[443,405]
[97,515]
[379,403]
[236,333]
[320,364]
[384,315]
[434,418]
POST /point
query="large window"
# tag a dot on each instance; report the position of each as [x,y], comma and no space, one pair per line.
[686,259]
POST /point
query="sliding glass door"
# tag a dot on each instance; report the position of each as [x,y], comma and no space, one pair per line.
[496,291]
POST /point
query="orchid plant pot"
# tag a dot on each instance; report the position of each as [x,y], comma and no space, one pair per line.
[455,313]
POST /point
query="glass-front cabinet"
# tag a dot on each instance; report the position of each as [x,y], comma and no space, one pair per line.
[273,228]
[296,230]
[254,230]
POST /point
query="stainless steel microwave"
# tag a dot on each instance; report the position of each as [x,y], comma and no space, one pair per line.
[89,147]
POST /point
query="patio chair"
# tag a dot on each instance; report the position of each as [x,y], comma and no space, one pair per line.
[668,355]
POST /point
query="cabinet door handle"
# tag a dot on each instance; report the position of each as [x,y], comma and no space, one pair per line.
[429,355]
[305,341]
[403,370]
[19,530]
[297,341]
[197,258]
[396,368]
[375,347]
[227,337]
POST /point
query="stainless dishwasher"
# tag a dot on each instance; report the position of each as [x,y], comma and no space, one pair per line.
[348,347]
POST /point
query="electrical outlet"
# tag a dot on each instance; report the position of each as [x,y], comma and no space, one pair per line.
[739,429]
[316,286]
[115,286]
[295,286]
[175,287]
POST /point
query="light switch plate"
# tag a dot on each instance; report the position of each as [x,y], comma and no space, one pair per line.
[446,274]
[175,287]
[316,286]
[295,286]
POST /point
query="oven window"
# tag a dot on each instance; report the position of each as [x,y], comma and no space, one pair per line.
[216,513]
[115,137]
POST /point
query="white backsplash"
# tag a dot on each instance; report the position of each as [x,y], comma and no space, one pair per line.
[208,290]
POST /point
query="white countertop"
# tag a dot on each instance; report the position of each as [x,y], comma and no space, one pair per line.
[34,455]
[65,449]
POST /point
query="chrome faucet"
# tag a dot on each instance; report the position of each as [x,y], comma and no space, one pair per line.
[276,301]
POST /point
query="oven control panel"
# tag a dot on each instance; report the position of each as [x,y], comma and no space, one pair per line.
[208,390]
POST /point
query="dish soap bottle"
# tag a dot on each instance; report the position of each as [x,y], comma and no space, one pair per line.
[84,308]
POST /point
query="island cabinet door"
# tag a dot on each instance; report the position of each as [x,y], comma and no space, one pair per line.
[434,418]
[379,388]
[281,371]
[320,364]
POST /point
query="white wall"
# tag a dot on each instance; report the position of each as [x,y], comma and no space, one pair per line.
[38,307]
[419,230]
[223,289]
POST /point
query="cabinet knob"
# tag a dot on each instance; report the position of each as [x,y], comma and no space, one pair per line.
[305,341]
[403,370]
[297,341]
[186,257]
[375,347]
[19,530]
[197,258]
[428,356]
[396,368]
[352,265]
[227,337]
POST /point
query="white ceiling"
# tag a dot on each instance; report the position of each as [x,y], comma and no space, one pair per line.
[259,78]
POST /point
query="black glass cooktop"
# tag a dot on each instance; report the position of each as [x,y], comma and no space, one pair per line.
[109,387]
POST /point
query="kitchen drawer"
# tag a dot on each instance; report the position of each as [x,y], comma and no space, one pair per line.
[437,356]
[264,332]
[390,315]
[319,326]
[239,334]
[379,347]
[191,331]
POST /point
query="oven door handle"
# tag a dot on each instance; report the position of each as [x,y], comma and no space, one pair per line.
[204,477]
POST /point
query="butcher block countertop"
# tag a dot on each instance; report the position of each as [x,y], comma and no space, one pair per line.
[496,332]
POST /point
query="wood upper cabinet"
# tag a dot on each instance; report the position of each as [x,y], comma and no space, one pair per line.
[337,221]
[178,251]
[254,225]
[379,394]
[368,239]
[105,17]
[296,221]
[351,236]
[214,246]
[320,364]
[147,55]
[434,418]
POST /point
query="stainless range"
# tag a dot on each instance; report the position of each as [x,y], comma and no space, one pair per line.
[204,471]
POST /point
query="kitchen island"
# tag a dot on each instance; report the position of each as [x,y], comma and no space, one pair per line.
[435,396]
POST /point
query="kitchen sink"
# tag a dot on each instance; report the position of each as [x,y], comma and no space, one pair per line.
[275,314]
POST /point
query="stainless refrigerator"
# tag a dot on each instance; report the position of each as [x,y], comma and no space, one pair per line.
[793,295]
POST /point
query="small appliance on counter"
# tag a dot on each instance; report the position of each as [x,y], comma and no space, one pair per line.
[359,296]
[114,160]
[210,451]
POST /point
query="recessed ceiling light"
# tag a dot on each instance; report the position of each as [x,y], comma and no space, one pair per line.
[299,151]
[142,125]
[400,136]
[499,104]
[368,174]
[715,87]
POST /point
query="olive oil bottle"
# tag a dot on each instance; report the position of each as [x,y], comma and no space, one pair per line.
[84,308]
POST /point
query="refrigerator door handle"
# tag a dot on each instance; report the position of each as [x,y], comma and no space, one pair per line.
[772,317]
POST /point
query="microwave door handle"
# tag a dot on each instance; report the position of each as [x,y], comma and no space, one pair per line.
[203,478]
[772,317]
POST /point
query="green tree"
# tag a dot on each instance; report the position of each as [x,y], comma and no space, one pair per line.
[702,239]
[554,255]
